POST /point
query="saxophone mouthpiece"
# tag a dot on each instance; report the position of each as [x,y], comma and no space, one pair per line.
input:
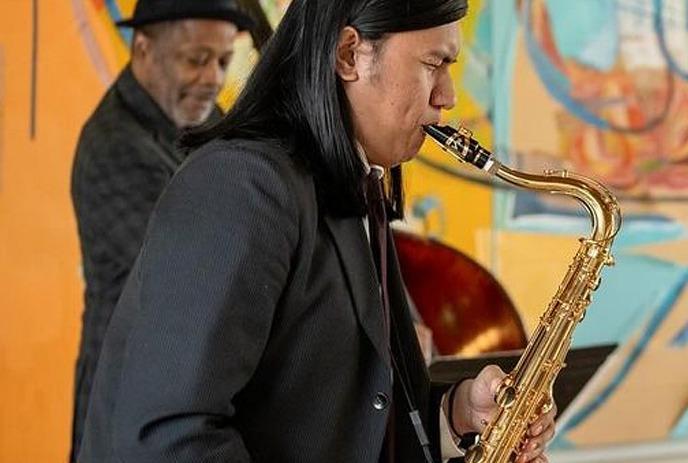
[441,133]
[460,144]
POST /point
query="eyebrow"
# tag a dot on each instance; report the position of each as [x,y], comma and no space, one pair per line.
[447,58]
[208,49]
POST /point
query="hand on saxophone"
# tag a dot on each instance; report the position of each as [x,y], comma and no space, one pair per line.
[474,407]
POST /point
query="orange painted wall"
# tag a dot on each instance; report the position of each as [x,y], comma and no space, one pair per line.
[40,300]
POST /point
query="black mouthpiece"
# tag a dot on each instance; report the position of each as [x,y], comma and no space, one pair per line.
[439,132]
[461,145]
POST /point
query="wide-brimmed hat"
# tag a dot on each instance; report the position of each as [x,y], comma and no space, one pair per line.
[153,11]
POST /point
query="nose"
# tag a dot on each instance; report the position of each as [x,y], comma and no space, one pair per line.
[443,95]
[213,74]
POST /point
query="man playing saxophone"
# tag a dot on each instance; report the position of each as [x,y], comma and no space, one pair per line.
[265,318]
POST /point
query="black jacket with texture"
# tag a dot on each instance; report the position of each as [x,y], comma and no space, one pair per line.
[251,329]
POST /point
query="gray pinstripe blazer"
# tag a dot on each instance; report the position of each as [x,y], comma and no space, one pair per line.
[250,328]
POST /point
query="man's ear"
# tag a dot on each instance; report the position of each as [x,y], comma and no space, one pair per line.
[348,47]
[140,45]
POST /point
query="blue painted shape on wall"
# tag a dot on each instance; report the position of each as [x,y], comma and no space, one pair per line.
[681,338]
[529,212]
[586,31]
[647,332]
[115,15]
[555,81]
[632,292]
[478,73]
[680,430]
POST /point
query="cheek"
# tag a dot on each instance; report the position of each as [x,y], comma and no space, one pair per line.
[182,80]
[183,90]
[413,100]
[170,87]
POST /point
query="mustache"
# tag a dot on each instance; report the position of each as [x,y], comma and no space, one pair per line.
[201,95]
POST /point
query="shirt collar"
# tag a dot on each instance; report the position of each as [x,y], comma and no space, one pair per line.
[367,166]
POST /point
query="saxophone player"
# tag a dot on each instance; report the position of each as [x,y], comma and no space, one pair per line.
[265,318]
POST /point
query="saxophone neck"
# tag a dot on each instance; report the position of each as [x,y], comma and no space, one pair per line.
[597,199]
[599,202]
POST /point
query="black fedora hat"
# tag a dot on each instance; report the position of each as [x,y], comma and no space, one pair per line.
[153,11]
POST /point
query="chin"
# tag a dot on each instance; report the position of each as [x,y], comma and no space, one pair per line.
[403,158]
[192,121]
[193,118]
[409,157]
[415,149]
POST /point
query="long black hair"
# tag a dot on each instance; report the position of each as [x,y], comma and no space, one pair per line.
[294,92]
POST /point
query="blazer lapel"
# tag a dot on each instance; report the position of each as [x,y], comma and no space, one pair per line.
[356,259]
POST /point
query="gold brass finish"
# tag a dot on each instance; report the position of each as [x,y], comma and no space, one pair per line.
[526,392]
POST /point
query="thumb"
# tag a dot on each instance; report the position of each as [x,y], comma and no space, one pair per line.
[494,385]
[486,385]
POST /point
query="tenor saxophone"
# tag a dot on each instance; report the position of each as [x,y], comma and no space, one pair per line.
[526,392]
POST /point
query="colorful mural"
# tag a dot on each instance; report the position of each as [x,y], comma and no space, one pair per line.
[595,86]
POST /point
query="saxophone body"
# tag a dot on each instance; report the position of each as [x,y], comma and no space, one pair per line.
[526,392]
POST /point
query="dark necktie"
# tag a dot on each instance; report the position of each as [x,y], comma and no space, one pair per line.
[378,230]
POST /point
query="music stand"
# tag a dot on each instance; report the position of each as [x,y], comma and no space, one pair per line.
[581,365]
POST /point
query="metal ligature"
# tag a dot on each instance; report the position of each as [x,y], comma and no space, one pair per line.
[526,392]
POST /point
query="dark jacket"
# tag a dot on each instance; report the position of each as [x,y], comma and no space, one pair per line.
[125,156]
[251,328]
